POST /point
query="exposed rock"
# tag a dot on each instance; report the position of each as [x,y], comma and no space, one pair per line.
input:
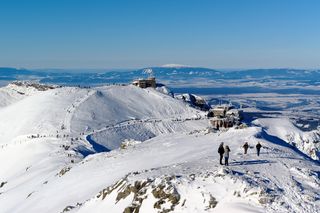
[163,190]
[3,183]
[128,143]
[109,190]
[64,171]
[68,208]
[166,193]
[212,202]
[129,209]
[265,198]
[38,86]
[30,194]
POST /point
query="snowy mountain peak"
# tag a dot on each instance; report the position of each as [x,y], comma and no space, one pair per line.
[174,66]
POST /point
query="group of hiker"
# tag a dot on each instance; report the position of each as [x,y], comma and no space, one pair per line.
[225,150]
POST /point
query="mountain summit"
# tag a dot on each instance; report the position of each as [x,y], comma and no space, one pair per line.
[174,66]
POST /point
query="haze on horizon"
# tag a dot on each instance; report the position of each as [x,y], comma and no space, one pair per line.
[133,34]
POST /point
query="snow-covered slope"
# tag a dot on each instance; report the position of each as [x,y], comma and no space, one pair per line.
[123,103]
[13,93]
[174,65]
[71,110]
[308,142]
[50,161]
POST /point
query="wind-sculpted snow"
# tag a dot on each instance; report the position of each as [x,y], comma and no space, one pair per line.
[167,163]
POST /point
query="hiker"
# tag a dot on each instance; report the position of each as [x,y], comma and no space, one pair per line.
[258,146]
[245,147]
[221,152]
[226,155]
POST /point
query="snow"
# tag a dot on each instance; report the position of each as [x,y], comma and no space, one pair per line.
[13,93]
[174,65]
[48,165]
[284,129]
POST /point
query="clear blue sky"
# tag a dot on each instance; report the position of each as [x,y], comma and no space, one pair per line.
[140,33]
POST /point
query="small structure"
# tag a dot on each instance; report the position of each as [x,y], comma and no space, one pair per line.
[194,100]
[217,123]
[221,110]
[144,83]
[225,116]
[235,113]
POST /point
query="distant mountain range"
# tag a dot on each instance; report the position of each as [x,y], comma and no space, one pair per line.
[169,73]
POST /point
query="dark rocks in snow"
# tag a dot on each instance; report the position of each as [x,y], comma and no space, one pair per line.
[64,171]
[68,208]
[164,191]
[38,86]
[29,195]
[212,202]
[3,183]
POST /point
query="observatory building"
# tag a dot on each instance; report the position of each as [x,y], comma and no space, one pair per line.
[149,82]
[144,83]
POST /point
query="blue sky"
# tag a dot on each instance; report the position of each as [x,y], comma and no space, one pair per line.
[140,33]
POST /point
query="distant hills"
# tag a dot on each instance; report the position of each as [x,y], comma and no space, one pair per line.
[170,73]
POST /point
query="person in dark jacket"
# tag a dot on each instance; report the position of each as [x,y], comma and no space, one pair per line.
[245,147]
[258,146]
[221,152]
[226,155]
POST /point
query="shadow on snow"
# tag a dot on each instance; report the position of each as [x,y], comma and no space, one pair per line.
[280,142]
[97,148]
[250,162]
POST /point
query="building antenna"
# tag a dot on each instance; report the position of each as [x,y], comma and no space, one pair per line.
[149,72]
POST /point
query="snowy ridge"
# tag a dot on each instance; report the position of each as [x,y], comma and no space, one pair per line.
[13,93]
[122,103]
[174,65]
[168,163]
[308,142]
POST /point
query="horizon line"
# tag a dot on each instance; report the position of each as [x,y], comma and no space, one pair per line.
[138,68]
